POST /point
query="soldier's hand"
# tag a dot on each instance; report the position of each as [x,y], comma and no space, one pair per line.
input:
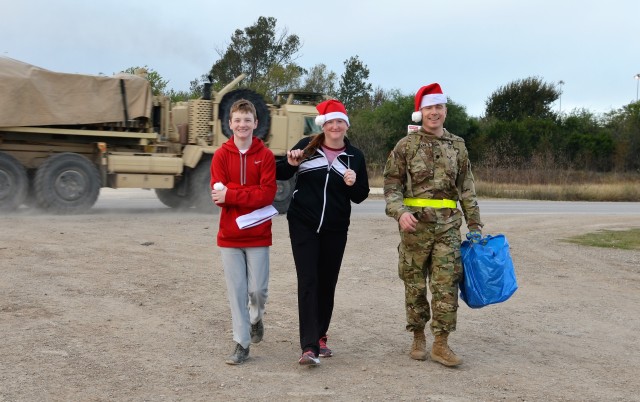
[408,222]
[474,236]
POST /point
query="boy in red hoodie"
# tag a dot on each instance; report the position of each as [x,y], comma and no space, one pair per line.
[243,179]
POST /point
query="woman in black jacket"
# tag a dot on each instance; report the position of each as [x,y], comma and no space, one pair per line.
[331,173]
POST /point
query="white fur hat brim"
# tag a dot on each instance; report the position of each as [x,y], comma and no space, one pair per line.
[323,118]
[433,99]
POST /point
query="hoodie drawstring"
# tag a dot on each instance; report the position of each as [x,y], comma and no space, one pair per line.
[243,168]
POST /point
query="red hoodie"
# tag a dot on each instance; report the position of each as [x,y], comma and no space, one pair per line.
[251,184]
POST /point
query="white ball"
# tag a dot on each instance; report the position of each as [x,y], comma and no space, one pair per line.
[218,186]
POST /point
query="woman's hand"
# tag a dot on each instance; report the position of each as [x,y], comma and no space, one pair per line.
[349,177]
[294,157]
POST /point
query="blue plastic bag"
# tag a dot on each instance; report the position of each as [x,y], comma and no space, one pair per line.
[489,276]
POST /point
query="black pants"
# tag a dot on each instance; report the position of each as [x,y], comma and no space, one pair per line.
[317,257]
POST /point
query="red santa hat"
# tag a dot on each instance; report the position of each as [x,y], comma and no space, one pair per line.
[428,95]
[329,110]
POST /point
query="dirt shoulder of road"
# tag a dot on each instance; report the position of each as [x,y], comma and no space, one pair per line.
[131,305]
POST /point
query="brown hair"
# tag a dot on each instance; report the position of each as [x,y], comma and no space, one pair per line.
[243,106]
[314,144]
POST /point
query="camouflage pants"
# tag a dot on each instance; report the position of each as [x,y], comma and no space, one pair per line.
[431,252]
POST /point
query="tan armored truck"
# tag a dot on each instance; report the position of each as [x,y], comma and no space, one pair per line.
[65,136]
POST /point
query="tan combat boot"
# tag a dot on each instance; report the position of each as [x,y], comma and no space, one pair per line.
[419,346]
[441,352]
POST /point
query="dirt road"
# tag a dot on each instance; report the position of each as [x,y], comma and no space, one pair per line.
[124,306]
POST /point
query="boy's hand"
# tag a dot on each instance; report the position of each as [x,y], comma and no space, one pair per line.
[218,196]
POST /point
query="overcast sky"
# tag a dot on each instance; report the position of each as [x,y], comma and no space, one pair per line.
[470,47]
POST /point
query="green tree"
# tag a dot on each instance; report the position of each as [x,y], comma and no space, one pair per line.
[196,90]
[377,127]
[158,84]
[458,121]
[516,140]
[376,130]
[196,86]
[624,125]
[354,90]
[258,51]
[280,78]
[521,99]
[320,79]
[585,142]
[377,98]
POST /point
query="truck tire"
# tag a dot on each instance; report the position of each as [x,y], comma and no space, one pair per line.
[171,198]
[14,183]
[283,195]
[264,117]
[67,183]
[199,187]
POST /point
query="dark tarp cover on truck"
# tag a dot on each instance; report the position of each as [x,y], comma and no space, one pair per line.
[33,96]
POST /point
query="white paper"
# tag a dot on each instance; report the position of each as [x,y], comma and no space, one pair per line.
[256,217]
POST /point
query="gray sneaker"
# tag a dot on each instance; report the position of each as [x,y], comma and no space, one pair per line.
[239,355]
[257,332]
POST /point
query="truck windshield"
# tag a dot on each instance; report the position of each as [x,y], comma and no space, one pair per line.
[310,126]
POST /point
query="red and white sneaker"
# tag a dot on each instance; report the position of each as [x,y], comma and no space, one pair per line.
[324,350]
[308,358]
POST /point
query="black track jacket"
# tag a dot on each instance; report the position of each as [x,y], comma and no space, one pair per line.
[321,199]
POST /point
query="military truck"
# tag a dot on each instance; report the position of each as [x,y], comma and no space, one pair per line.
[65,136]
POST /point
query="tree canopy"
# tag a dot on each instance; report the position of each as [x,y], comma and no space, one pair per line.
[527,98]
[354,89]
[320,79]
[262,53]
[519,126]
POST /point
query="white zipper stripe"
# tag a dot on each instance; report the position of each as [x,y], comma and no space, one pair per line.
[324,200]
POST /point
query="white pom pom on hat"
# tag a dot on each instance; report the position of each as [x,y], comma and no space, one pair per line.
[428,95]
[329,110]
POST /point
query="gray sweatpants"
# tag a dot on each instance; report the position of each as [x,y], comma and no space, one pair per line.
[246,271]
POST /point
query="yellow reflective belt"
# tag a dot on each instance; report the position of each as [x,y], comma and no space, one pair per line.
[423,202]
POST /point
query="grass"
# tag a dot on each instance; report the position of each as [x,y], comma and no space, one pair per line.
[620,239]
[559,185]
[622,191]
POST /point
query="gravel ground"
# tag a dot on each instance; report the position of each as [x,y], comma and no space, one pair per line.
[130,305]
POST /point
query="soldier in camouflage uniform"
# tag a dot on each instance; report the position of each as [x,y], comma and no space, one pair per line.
[425,176]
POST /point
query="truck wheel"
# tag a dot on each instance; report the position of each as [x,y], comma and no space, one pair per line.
[264,117]
[171,198]
[14,183]
[283,195]
[67,183]
[199,187]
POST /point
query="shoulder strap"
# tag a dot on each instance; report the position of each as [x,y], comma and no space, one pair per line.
[412,145]
[411,149]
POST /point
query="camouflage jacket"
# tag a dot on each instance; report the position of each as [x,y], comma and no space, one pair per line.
[422,165]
